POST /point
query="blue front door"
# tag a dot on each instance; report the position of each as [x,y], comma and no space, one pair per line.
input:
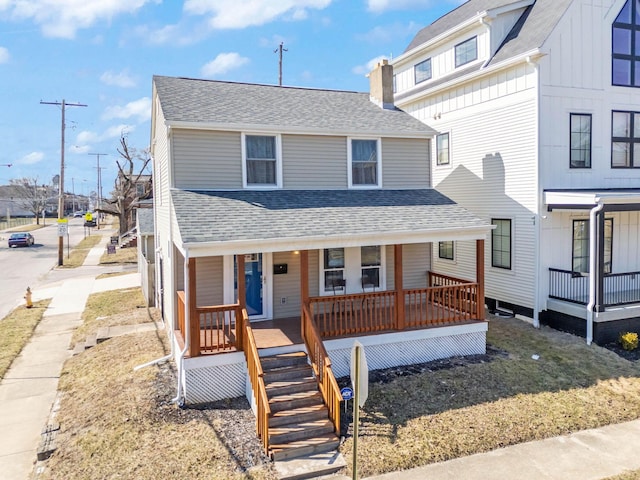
[253,278]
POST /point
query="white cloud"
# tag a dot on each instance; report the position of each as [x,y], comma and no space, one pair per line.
[379,6]
[122,79]
[139,109]
[4,55]
[31,158]
[62,18]
[86,138]
[235,14]
[223,63]
[181,34]
[381,35]
[365,69]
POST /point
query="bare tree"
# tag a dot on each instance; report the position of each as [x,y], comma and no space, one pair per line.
[133,183]
[28,194]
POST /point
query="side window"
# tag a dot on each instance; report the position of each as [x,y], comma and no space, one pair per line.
[364,163]
[501,243]
[442,149]
[261,160]
[580,133]
[445,250]
[466,51]
[422,71]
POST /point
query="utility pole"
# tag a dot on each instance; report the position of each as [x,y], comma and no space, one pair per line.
[61,185]
[99,186]
[280,49]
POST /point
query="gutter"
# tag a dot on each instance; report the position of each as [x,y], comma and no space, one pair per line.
[179,398]
[592,269]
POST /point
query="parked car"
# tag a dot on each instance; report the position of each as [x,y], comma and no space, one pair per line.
[78,214]
[21,239]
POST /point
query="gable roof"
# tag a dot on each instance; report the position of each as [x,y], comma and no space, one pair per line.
[240,106]
[530,31]
[317,218]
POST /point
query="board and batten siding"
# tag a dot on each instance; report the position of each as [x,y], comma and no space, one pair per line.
[209,281]
[204,159]
[314,162]
[286,286]
[405,163]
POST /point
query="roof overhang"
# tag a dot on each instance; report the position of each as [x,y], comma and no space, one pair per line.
[612,200]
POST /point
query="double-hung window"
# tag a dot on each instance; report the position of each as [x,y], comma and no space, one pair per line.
[625,46]
[625,139]
[352,270]
[442,149]
[501,243]
[370,262]
[261,160]
[580,156]
[445,250]
[364,162]
[422,71]
[580,246]
[334,279]
[466,51]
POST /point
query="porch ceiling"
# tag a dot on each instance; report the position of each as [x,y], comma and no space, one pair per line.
[613,200]
[277,220]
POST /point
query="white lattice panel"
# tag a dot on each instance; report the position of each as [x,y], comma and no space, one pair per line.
[408,352]
[211,383]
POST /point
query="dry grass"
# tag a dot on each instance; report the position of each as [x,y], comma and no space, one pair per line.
[111,308]
[26,228]
[631,475]
[16,330]
[113,274]
[79,253]
[122,256]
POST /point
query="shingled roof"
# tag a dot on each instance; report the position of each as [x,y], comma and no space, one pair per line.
[233,216]
[284,109]
[530,32]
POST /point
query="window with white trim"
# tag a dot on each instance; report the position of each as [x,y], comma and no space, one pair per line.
[422,71]
[370,262]
[580,246]
[466,51]
[442,149]
[364,162]
[334,280]
[261,160]
[352,270]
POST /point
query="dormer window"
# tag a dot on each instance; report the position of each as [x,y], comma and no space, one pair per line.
[625,46]
[466,51]
[422,71]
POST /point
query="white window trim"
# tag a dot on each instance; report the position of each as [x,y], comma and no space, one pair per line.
[243,146]
[352,269]
[378,166]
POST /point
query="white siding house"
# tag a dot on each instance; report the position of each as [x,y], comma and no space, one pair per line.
[536,130]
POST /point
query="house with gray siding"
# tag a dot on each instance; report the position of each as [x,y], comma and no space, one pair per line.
[290,222]
[535,104]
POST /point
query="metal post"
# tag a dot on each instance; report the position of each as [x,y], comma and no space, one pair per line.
[356,415]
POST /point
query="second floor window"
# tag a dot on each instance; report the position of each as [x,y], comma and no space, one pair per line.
[261,160]
[466,51]
[364,160]
[580,141]
[625,139]
[625,46]
[442,149]
[422,71]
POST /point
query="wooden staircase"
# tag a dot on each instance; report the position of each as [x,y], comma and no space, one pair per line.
[299,424]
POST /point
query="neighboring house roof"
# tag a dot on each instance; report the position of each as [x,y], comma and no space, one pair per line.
[286,109]
[241,216]
[530,32]
[145,221]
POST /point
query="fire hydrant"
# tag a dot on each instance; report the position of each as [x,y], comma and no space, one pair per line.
[27,297]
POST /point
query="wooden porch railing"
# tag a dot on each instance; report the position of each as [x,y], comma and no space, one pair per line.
[439,280]
[455,303]
[256,375]
[321,365]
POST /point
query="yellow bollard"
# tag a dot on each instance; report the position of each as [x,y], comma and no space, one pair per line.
[27,297]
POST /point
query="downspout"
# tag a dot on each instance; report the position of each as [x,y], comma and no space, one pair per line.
[592,269]
[537,219]
[187,337]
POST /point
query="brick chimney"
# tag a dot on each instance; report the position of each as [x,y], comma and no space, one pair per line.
[381,85]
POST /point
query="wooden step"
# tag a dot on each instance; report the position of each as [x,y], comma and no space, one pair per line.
[285,387]
[295,400]
[321,443]
[299,431]
[286,373]
[280,360]
[302,414]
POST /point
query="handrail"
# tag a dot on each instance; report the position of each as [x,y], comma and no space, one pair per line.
[321,364]
[256,375]
[441,305]
[440,280]
[218,328]
[181,313]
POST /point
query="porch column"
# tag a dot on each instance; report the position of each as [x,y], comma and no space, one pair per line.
[599,273]
[194,319]
[304,284]
[480,277]
[398,277]
[242,287]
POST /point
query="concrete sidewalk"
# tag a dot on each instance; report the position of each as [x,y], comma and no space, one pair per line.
[29,388]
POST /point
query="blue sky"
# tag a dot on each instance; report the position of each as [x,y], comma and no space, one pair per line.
[103,53]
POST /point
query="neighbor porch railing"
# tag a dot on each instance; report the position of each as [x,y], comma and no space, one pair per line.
[619,288]
[321,365]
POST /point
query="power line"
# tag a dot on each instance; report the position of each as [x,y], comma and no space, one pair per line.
[61,184]
[280,49]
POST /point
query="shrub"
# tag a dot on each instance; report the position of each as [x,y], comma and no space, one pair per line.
[629,340]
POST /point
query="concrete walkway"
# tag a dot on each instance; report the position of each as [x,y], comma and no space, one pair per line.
[28,390]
